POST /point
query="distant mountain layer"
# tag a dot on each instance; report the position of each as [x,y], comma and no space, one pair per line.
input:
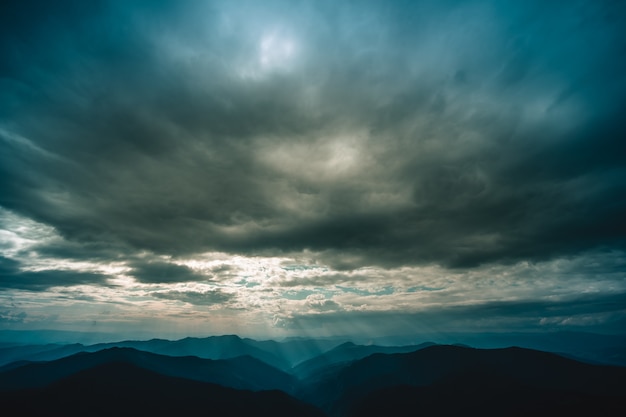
[281,355]
[214,347]
[311,355]
[348,352]
[123,389]
[243,372]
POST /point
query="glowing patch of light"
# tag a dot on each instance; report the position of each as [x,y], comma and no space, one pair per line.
[275,51]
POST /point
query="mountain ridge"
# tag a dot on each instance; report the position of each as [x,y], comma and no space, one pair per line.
[124,389]
[244,373]
[339,389]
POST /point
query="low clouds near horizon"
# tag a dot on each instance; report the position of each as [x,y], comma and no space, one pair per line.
[389,135]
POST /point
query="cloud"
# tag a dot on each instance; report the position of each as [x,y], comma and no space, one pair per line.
[8,316]
[163,272]
[318,302]
[389,134]
[13,277]
[204,298]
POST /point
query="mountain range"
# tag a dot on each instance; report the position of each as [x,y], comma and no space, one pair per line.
[345,380]
[243,372]
[455,370]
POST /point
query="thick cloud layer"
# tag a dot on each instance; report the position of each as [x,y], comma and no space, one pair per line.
[12,276]
[164,272]
[397,133]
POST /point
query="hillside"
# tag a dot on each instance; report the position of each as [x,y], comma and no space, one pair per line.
[123,389]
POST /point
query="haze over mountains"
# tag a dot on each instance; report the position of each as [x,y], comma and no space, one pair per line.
[280,355]
[318,377]
[294,352]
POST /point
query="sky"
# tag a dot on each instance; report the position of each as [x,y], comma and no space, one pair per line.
[312,168]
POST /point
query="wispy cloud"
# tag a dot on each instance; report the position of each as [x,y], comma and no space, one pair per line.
[194,297]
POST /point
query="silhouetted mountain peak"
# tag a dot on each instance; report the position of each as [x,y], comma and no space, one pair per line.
[241,373]
[346,345]
[227,337]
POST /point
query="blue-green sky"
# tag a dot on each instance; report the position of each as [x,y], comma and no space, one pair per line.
[275,168]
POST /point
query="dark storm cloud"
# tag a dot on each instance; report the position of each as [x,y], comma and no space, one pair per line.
[153,272]
[98,251]
[12,277]
[196,297]
[572,306]
[455,133]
